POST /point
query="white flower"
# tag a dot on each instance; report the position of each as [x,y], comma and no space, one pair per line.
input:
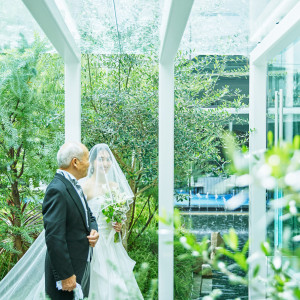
[292,179]
[221,265]
[243,180]
[296,238]
[277,262]
[182,240]
[235,201]
[240,161]
[293,208]
[144,265]
[264,171]
[274,160]
[268,183]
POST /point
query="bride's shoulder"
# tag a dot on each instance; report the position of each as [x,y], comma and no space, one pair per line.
[86,186]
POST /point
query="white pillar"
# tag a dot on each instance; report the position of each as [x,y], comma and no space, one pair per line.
[50,19]
[166,180]
[72,102]
[257,201]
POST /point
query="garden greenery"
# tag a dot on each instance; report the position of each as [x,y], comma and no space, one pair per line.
[29,133]
[276,168]
[120,108]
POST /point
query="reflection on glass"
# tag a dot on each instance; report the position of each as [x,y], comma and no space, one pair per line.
[16,23]
[218,27]
[102,23]
[283,119]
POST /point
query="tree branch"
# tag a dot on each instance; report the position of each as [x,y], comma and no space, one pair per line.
[148,222]
[119,73]
[127,79]
[132,213]
[91,87]
[147,187]
[19,150]
[22,168]
[11,115]
[130,228]
[121,161]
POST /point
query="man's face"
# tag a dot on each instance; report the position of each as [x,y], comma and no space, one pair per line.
[83,164]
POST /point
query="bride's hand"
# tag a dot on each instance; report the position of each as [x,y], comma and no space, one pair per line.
[117,227]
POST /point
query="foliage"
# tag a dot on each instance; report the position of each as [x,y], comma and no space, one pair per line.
[120,108]
[201,112]
[29,137]
[146,212]
[145,253]
[236,259]
[277,167]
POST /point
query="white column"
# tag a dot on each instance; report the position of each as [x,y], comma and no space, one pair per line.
[257,202]
[166,180]
[50,19]
[176,16]
[72,102]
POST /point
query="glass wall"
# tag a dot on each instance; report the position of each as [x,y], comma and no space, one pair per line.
[211,97]
[16,25]
[283,118]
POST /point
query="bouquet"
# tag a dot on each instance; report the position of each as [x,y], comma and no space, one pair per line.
[116,212]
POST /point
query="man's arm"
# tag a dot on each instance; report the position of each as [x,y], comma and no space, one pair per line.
[94,224]
[94,236]
[54,215]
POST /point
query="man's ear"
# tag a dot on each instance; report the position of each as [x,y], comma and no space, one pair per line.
[74,162]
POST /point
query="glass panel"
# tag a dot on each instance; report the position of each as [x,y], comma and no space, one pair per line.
[16,23]
[113,26]
[283,77]
[217,27]
[203,109]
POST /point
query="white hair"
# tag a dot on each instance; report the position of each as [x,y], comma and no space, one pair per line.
[67,152]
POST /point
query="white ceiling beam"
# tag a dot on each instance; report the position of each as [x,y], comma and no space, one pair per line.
[49,18]
[173,28]
[270,16]
[279,38]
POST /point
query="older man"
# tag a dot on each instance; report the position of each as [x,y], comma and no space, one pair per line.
[70,227]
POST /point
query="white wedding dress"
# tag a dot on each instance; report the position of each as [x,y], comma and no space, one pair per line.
[111,275]
[111,269]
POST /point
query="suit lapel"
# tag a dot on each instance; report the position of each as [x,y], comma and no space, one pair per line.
[75,197]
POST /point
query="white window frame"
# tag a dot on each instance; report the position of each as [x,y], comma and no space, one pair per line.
[280,37]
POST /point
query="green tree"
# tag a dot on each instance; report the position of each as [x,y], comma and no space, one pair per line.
[120,108]
[29,136]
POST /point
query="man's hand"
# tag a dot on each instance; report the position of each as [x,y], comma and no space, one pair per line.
[117,227]
[69,284]
[93,237]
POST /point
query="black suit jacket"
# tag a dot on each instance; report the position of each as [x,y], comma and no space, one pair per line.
[66,232]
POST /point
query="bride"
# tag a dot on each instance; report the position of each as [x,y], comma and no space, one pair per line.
[111,269]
